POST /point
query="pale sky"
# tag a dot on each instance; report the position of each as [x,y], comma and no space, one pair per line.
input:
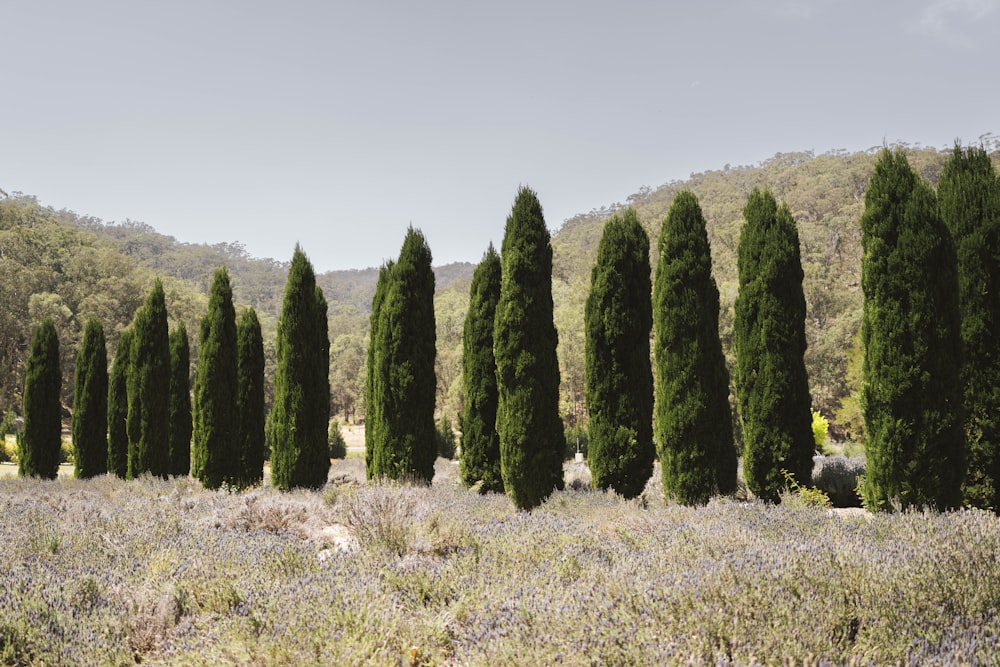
[337,124]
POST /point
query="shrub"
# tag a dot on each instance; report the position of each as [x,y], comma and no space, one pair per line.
[338,446]
[9,423]
[820,426]
[837,477]
[445,438]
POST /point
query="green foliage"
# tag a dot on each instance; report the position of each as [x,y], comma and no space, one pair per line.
[215,452]
[445,438]
[90,403]
[808,495]
[969,202]
[619,380]
[250,412]
[39,443]
[300,414]
[820,428]
[532,440]
[335,441]
[694,429]
[118,407]
[377,380]
[769,334]
[480,458]
[912,341]
[149,389]
[181,424]
[9,423]
[577,440]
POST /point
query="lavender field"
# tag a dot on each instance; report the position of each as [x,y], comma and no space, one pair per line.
[109,572]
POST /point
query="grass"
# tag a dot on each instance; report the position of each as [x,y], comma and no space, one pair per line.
[109,572]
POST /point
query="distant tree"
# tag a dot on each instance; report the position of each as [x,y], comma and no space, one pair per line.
[250,399]
[336,442]
[149,388]
[969,201]
[39,443]
[404,354]
[300,415]
[90,403]
[532,440]
[215,454]
[772,386]
[377,379]
[619,381]
[445,438]
[181,425]
[911,333]
[118,407]
[693,423]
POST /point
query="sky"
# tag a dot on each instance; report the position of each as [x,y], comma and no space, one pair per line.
[338,124]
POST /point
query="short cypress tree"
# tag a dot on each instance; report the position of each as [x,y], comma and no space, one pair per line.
[404,355]
[118,407]
[532,440]
[301,411]
[969,201]
[250,398]
[181,425]
[38,445]
[911,391]
[772,386]
[90,403]
[377,374]
[480,457]
[215,458]
[619,380]
[149,388]
[694,428]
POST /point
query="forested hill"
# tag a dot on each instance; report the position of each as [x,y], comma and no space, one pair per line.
[57,263]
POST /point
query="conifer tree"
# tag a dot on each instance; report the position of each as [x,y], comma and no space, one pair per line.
[377,376]
[694,428]
[480,458]
[250,399]
[90,403]
[532,440]
[301,411]
[181,425]
[215,458]
[911,391]
[619,380]
[118,407]
[772,386]
[149,388]
[969,200]
[39,443]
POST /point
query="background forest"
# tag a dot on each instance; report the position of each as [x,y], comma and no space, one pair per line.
[70,267]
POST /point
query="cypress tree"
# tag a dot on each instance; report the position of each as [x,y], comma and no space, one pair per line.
[39,443]
[911,391]
[969,200]
[250,398]
[301,411]
[769,333]
[480,459]
[118,407]
[694,428]
[149,388]
[404,355]
[215,459]
[90,403]
[619,380]
[532,440]
[377,377]
[181,424]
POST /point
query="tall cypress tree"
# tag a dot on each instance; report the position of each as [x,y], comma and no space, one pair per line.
[694,429]
[969,201]
[532,440]
[215,459]
[301,411]
[377,379]
[480,460]
[118,407]
[149,388]
[619,380]
[911,391]
[250,398]
[90,403]
[769,332]
[38,444]
[181,425]
[404,355]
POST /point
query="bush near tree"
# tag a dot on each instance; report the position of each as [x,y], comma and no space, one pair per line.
[41,439]
[90,403]
[118,407]
[181,425]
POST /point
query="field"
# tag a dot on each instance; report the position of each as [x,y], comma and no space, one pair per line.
[109,572]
